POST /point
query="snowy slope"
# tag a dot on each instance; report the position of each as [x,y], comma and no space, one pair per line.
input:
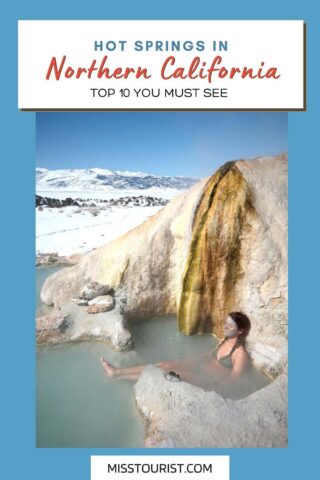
[97,179]
[69,229]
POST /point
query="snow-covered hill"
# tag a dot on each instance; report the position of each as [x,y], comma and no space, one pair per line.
[97,179]
[78,210]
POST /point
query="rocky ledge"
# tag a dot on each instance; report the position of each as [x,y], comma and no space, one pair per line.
[71,324]
[94,313]
[180,415]
[53,258]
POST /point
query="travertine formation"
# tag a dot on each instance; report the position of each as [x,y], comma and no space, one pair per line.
[214,265]
[221,246]
[180,415]
[238,256]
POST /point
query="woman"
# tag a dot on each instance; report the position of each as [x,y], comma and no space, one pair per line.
[218,368]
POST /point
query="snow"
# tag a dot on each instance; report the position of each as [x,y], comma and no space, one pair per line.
[65,232]
[69,230]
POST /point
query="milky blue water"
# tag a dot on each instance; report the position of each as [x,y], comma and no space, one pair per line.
[79,406]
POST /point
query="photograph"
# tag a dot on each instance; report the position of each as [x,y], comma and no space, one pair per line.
[161,279]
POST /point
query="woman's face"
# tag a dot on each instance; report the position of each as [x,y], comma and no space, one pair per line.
[230,328]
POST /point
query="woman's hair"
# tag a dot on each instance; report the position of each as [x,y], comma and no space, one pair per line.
[243,323]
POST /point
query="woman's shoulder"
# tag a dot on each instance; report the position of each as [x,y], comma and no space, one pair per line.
[241,350]
[240,359]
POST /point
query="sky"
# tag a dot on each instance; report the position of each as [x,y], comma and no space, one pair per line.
[162,143]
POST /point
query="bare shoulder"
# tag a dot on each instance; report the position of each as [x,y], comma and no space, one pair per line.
[240,352]
[240,359]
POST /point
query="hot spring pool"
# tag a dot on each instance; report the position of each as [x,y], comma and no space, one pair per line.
[79,406]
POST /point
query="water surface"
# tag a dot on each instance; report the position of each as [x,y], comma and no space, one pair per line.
[79,406]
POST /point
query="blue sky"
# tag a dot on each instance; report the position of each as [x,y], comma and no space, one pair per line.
[162,143]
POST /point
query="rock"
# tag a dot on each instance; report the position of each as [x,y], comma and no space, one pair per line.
[102,303]
[108,326]
[172,376]
[58,327]
[102,300]
[50,259]
[53,328]
[81,302]
[54,258]
[119,336]
[92,290]
[99,308]
[180,415]
[272,359]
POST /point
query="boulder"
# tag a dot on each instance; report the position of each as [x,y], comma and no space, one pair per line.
[110,327]
[53,328]
[102,303]
[180,415]
[92,290]
[98,308]
[102,300]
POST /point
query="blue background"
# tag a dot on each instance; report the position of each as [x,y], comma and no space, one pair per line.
[20,457]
